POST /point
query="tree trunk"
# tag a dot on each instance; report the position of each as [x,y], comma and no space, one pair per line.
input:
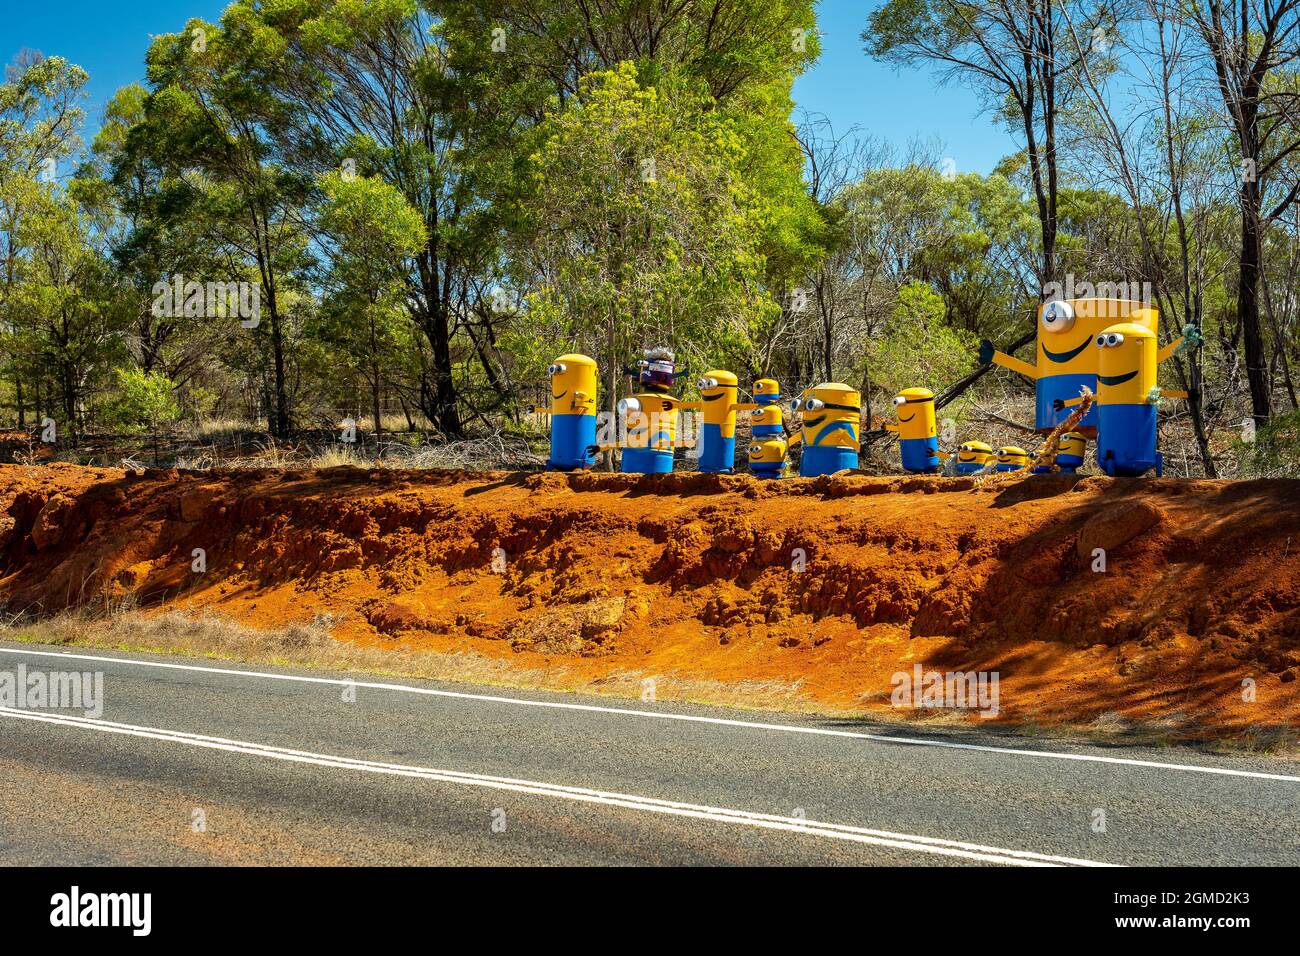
[1248,307]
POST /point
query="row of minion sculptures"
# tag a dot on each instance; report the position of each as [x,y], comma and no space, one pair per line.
[1095,356]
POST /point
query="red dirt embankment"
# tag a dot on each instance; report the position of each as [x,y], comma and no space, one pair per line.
[692,575]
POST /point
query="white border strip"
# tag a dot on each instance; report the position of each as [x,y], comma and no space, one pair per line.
[766,821]
[668,715]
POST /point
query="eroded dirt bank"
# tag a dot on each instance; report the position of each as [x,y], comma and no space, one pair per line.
[694,575]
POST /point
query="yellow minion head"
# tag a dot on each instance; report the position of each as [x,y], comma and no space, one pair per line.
[766,388]
[830,414]
[769,452]
[1067,327]
[1012,455]
[974,453]
[1072,443]
[915,407]
[1126,364]
[573,385]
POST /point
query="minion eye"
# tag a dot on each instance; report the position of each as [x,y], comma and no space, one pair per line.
[899,400]
[708,383]
[626,405]
[1101,341]
[1058,316]
[557,369]
[1114,339]
[814,404]
[755,449]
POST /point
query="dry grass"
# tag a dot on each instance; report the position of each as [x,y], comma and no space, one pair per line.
[310,645]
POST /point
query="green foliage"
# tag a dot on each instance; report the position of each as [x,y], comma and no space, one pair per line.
[639,219]
[917,348]
[145,401]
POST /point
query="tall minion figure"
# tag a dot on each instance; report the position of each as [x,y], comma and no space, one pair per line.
[768,446]
[1127,399]
[719,391]
[830,415]
[916,432]
[972,456]
[572,413]
[1011,458]
[1066,360]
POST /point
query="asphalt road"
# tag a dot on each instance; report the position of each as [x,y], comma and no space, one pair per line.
[195,761]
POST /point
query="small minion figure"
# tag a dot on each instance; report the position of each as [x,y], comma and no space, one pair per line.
[1070,451]
[767,457]
[972,456]
[917,437]
[1011,458]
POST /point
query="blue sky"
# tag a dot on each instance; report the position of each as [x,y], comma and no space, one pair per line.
[109,39]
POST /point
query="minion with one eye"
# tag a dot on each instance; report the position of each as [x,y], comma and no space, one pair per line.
[916,430]
[1011,458]
[1066,360]
[650,422]
[1127,399]
[768,448]
[830,415]
[972,456]
[572,413]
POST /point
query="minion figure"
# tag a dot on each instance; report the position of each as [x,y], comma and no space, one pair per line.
[972,456]
[916,430]
[1011,458]
[1127,397]
[1069,452]
[830,416]
[1066,360]
[572,413]
[718,403]
[650,420]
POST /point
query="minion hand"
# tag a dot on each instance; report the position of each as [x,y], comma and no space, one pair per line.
[1153,396]
[986,352]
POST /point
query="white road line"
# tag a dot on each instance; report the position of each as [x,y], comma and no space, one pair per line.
[766,821]
[668,715]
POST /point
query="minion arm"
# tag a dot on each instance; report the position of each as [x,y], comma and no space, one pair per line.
[1168,350]
[1173,393]
[1015,364]
[890,427]
[795,439]
[989,355]
[1061,403]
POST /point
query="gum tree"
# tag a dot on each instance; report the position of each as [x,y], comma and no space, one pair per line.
[372,233]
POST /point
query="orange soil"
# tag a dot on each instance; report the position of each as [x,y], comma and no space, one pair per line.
[690,575]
